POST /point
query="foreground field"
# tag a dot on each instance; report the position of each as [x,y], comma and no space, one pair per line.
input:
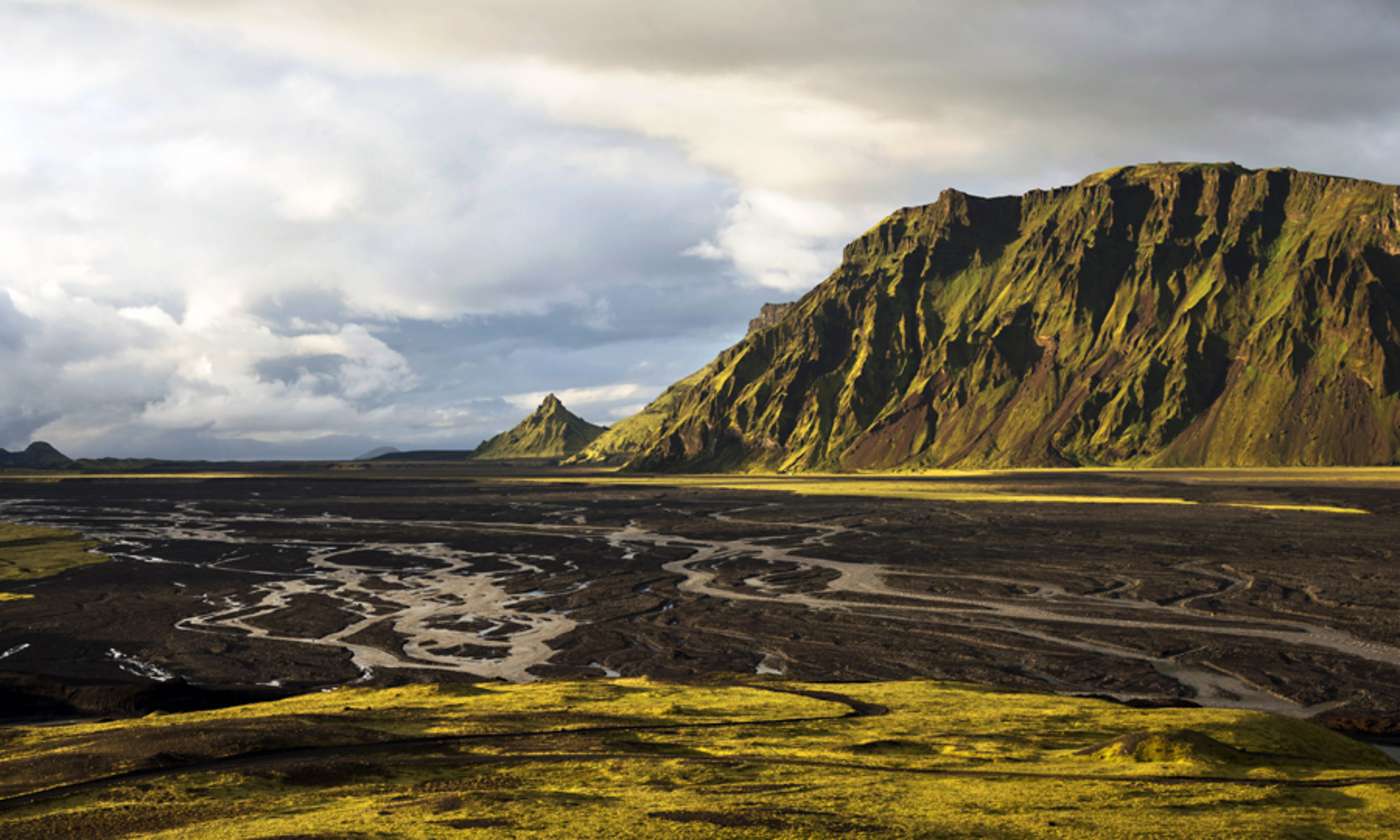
[635,757]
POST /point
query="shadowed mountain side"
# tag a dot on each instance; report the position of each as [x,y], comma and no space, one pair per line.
[1165,314]
[552,431]
[37,456]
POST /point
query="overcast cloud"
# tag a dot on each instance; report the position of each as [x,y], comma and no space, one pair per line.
[235,228]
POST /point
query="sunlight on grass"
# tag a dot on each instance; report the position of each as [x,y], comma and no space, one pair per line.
[946,759]
[28,552]
[914,489]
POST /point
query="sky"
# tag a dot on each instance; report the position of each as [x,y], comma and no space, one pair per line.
[257,228]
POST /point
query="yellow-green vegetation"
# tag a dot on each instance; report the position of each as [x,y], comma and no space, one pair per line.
[946,489]
[636,758]
[551,431]
[28,552]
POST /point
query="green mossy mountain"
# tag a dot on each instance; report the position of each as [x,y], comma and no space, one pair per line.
[552,431]
[1154,315]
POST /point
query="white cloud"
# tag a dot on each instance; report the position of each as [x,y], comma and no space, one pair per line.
[626,410]
[861,109]
[202,240]
[591,396]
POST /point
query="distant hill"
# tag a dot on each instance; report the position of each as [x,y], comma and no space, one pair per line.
[551,431]
[377,452]
[1163,314]
[425,455]
[37,456]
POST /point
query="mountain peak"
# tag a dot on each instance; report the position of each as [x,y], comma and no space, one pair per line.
[38,455]
[551,431]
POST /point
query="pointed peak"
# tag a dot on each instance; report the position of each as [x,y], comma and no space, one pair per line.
[551,431]
[550,406]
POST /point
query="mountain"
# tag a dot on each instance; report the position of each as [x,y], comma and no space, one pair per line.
[37,456]
[1163,314]
[552,431]
[377,452]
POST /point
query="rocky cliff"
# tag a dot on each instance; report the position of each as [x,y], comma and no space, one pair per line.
[1166,314]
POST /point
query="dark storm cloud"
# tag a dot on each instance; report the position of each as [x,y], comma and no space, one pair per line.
[1044,86]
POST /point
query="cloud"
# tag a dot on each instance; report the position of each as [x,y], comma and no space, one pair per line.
[244,226]
[851,110]
[202,243]
[585,397]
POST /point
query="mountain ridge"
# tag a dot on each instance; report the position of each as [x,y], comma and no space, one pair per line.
[1153,315]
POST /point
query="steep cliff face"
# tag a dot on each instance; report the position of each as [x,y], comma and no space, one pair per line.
[770,314]
[551,431]
[1168,314]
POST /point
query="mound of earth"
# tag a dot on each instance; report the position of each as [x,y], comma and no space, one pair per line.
[1278,742]
[1171,745]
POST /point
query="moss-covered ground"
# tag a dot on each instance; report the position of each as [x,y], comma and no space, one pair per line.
[633,758]
[29,552]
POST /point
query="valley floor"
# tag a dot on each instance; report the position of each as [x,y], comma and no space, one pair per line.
[1273,590]
[439,602]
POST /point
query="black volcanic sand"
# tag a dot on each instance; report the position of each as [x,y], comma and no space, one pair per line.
[104,639]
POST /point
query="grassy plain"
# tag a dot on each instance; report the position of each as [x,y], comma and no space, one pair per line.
[1002,486]
[29,552]
[631,757]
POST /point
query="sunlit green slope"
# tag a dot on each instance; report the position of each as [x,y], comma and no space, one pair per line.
[1167,314]
[551,431]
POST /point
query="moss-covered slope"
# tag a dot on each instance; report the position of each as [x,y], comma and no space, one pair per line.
[552,431]
[634,758]
[1167,314]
